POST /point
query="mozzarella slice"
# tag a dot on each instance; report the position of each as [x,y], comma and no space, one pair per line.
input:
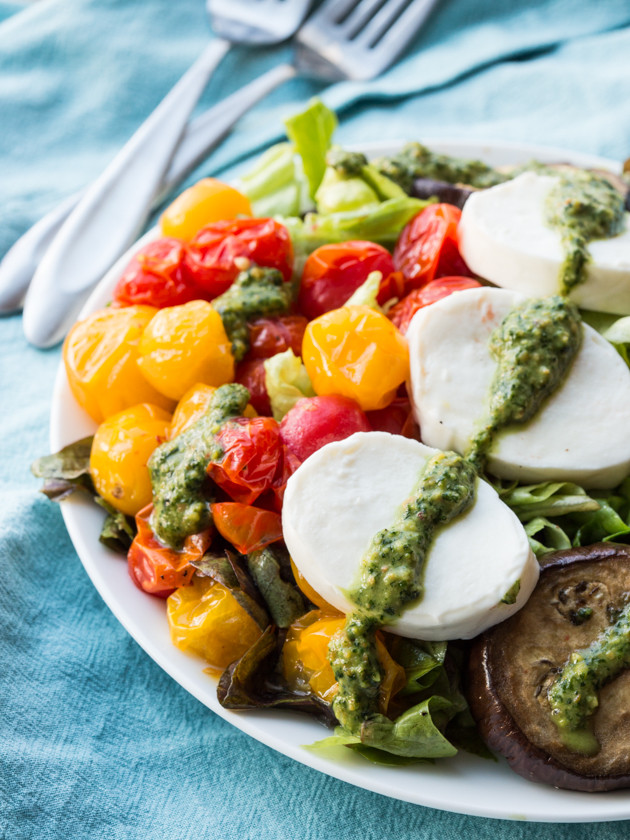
[504,238]
[581,432]
[346,492]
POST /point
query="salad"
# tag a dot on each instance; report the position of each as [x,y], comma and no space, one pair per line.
[266,324]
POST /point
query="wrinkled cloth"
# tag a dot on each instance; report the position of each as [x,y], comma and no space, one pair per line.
[96,741]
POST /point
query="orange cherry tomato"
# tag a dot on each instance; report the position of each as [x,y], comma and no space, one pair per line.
[305,662]
[193,405]
[402,313]
[121,448]
[358,353]
[311,594]
[205,618]
[157,569]
[247,528]
[100,355]
[427,246]
[207,201]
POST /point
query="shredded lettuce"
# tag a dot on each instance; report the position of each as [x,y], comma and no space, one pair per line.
[286,381]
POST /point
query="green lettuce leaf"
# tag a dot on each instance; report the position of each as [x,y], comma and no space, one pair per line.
[367,292]
[311,131]
[286,381]
[276,186]
[547,499]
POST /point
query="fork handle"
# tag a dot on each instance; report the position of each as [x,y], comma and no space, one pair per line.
[201,135]
[113,209]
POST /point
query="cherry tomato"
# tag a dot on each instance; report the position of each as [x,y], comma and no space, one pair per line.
[251,374]
[316,421]
[402,313]
[183,345]
[157,276]
[333,272]
[310,593]
[357,352]
[121,448]
[305,663]
[205,202]
[157,569]
[210,258]
[100,355]
[194,405]
[206,619]
[252,451]
[427,246]
[268,336]
[396,418]
[247,528]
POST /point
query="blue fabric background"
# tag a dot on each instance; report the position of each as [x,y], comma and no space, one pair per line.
[96,741]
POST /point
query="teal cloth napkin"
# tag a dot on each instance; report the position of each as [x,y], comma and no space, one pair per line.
[95,740]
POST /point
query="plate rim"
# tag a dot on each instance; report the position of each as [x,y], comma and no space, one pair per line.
[188,671]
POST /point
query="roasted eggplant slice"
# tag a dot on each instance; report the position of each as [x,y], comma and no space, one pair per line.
[580,594]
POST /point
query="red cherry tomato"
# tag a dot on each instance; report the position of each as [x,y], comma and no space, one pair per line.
[333,272]
[427,246]
[268,336]
[252,453]
[247,528]
[157,569]
[315,421]
[211,256]
[251,374]
[402,313]
[396,418]
[157,276]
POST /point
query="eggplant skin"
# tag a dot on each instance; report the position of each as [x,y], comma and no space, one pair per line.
[496,724]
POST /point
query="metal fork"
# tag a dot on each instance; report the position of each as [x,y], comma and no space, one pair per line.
[356,39]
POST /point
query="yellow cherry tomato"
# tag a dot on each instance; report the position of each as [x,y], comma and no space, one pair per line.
[310,593]
[205,202]
[305,659]
[183,345]
[100,356]
[121,448]
[193,405]
[357,352]
[206,619]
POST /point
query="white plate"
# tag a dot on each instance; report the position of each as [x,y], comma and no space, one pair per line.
[464,784]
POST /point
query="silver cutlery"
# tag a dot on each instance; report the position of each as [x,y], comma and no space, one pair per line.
[356,39]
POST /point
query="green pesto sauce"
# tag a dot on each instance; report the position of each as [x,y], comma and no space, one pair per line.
[582,207]
[573,695]
[347,164]
[534,347]
[390,579]
[178,469]
[416,161]
[256,293]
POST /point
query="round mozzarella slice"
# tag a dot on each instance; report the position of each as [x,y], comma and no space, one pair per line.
[581,432]
[346,492]
[503,237]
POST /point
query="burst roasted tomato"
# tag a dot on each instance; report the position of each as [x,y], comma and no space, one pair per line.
[427,246]
[246,527]
[157,276]
[213,251]
[268,336]
[251,374]
[157,569]
[205,202]
[333,272]
[252,452]
[402,313]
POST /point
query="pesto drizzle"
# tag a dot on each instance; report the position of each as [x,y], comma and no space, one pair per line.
[573,694]
[582,207]
[534,347]
[178,469]
[256,293]
[391,579]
